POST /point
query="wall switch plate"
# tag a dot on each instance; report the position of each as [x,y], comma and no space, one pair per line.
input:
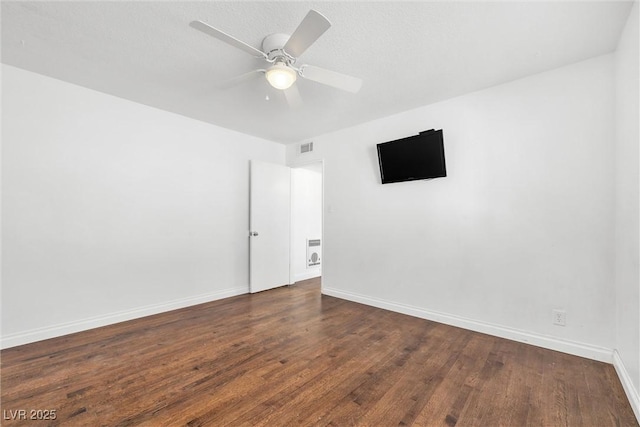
[560,317]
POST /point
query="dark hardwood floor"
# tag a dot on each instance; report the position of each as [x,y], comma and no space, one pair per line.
[290,356]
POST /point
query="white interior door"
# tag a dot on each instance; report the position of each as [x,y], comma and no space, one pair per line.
[270,218]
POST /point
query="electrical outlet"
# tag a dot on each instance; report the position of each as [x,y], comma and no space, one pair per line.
[560,317]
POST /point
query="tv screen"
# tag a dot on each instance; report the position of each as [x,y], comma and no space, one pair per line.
[416,157]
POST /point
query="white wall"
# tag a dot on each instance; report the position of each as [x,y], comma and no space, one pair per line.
[113,210]
[627,210]
[306,218]
[522,225]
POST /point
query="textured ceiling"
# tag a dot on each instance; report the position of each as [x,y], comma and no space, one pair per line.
[407,53]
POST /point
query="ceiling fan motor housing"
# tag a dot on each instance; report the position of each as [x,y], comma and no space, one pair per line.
[272,45]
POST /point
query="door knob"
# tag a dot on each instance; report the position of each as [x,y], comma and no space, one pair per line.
[253,233]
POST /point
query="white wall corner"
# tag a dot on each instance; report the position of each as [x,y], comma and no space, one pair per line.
[39,334]
[589,351]
[632,393]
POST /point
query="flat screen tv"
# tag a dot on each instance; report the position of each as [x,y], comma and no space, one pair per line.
[416,157]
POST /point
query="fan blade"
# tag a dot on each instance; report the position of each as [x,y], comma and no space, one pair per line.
[242,78]
[292,95]
[312,26]
[214,32]
[331,78]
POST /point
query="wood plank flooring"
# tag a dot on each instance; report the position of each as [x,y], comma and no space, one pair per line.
[290,356]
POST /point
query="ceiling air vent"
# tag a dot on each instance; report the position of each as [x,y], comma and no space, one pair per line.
[306,148]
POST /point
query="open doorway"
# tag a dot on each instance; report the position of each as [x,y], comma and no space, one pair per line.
[306,221]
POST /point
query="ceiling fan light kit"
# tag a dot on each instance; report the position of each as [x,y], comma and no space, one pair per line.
[280,76]
[282,51]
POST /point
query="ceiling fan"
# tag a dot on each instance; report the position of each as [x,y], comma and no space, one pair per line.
[281,52]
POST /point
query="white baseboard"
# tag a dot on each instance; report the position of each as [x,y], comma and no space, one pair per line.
[578,349]
[633,394]
[39,334]
[306,275]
